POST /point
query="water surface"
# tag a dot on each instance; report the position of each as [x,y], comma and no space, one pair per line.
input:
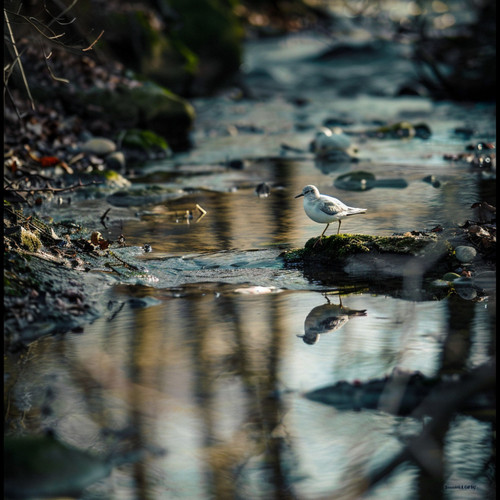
[200,359]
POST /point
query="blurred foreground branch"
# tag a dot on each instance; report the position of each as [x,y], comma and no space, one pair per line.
[425,450]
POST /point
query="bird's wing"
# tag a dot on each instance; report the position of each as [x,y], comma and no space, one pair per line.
[333,323]
[331,206]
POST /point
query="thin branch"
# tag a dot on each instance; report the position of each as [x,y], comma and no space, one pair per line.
[7,91]
[54,77]
[94,42]
[103,217]
[442,406]
[25,81]
[126,264]
[56,18]
[52,36]
[55,37]
[67,9]
[34,21]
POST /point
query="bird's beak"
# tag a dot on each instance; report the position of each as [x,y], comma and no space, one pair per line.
[299,195]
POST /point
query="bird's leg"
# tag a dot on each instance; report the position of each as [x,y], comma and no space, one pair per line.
[338,229]
[317,241]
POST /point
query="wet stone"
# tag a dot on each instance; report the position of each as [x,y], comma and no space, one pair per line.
[467,293]
[116,161]
[99,146]
[450,276]
[465,253]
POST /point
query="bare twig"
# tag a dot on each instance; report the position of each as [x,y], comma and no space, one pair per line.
[103,217]
[57,18]
[7,90]
[202,211]
[67,9]
[35,22]
[54,77]
[18,59]
[45,31]
[131,266]
[94,42]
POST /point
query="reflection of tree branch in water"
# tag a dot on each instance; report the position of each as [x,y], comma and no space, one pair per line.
[327,318]
[472,393]
[426,449]
[221,358]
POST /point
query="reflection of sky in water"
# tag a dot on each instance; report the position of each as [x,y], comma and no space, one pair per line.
[394,333]
[205,371]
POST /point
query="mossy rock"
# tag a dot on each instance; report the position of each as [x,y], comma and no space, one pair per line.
[372,257]
[26,239]
[150,52]
[190,46]
[341,246]
[114,179]
[145,142]
[402,130]
[149,107]
[212,31]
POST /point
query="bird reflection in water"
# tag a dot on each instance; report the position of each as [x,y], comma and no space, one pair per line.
[327,318]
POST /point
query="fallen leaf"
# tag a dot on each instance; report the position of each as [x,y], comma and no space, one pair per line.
[103,244]
[49,161]
[96,237]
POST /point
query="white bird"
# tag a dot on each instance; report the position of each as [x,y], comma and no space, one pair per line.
[327,318]
[330,142]
[325,209]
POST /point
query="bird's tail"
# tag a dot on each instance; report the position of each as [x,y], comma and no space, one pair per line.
[354,211]
[357,313]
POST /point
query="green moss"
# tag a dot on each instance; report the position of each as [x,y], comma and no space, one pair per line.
[293,256]
[211,30]
[341,246]
[402,244]
[29,240]
[110,175]
[144,140]
[149,106]
[398,130]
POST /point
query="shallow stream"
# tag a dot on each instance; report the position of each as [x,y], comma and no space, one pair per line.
[203,354]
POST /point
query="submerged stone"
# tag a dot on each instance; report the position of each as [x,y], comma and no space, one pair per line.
[450,277]
[363,181]
[42,466]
